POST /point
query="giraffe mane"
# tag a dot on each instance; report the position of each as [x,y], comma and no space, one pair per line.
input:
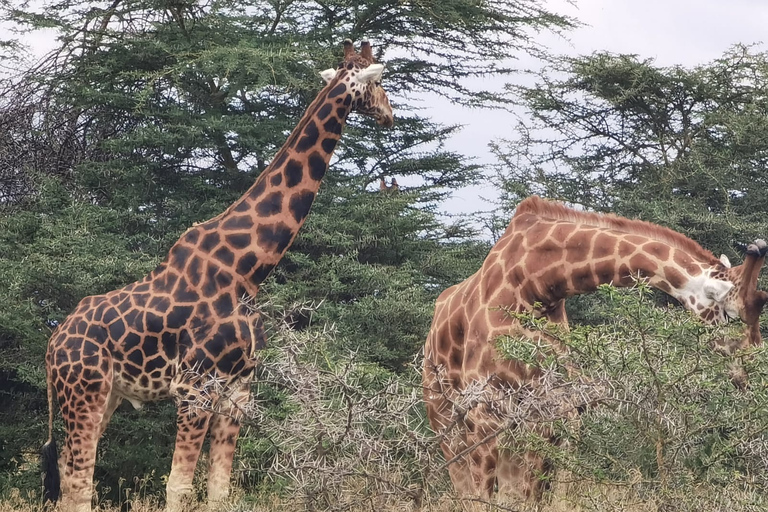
[535,205]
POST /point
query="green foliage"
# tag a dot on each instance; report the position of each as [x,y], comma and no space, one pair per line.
[685,148]
[668,421]
[151,116]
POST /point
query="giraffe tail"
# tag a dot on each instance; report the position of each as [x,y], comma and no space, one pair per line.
[49,455]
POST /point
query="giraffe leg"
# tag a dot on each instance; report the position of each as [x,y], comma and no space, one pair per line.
[112,404]
[192,425]
[224,430]
[481,465]
[453,436]
[83,416]
[520,474]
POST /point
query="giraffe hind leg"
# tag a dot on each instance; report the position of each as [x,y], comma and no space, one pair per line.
[83,414]
[191,427]
[225,428]
[112,404]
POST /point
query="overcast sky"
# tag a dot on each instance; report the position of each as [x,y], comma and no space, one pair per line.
[671,32]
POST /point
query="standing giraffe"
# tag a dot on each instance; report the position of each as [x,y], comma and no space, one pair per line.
[159,337]
[549,253]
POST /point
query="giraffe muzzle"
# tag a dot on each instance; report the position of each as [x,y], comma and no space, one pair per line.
[386,120]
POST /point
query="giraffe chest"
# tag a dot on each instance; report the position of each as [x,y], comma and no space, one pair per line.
[148,383]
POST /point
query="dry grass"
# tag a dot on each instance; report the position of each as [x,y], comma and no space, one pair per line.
[566,497]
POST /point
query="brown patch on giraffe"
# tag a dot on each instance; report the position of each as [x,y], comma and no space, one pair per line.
[675,278]
[579,246]
[626,249]
[657,249]
[626,277]
[645,265]
[562,231]
[529,292]
[605,271]
[516,276]
[537,233]
[553,284]
[637,240]
[687,263]
[582,279]
[544,255]
[604,246]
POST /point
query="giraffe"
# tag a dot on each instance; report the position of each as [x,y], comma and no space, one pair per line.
[383,187]
[158,337]
[548,253]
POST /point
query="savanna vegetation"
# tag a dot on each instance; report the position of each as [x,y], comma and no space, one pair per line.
[150,116]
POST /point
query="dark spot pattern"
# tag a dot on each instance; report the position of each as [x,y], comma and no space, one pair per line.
[329,144]
[246,263]
[293,173]
[272,204]
[261,273]
[224,255]
[210,241]
[275,237]
[300,204]
[223,306]
[239,240]
[242,222]
[309,139]
[317,166]
[333,125]
[323,111]
[339,89]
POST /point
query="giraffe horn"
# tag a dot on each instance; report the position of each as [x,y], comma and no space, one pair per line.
[349,49]
[365,51]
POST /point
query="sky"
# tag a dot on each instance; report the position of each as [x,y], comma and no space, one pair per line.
[672,32]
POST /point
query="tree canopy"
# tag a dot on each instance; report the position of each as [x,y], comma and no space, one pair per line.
[150,116]
[681,147]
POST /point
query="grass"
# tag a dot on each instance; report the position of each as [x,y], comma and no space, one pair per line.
[566,497]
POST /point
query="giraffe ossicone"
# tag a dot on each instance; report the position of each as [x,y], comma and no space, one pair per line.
[548,253]
[162,336]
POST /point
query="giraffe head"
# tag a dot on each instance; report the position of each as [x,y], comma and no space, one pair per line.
[359,75]
[723,293]
[744,300]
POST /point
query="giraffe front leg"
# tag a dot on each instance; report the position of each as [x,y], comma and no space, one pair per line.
[522,474]
[192,425]
[225,428]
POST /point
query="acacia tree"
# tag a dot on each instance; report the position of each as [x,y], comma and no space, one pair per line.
[686,148]
[154,115]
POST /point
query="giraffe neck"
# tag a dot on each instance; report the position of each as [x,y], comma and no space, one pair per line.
[259,227]
[557,259]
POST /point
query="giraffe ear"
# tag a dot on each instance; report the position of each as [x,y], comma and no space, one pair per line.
[370,74]
[717,290]
[328,75]
[725,261]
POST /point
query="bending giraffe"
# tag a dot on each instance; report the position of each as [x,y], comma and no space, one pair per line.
[155,338]
[548,253]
